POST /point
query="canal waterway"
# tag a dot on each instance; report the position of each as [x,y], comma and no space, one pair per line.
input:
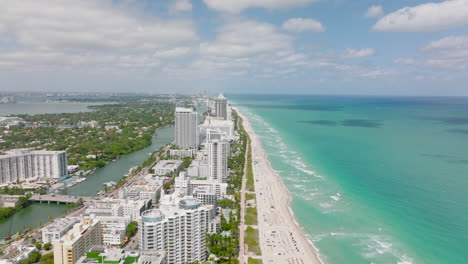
[113,171]
[31,216]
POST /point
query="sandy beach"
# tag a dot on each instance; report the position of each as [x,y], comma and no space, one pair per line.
[281,239]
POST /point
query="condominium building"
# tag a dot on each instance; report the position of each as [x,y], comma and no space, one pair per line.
[186,130]
[216,124]
[141,191]
[58,229]
[218,153]
[164,167]
[221,107]
[118,208]
[113,229]
[25,165]
[76,242]
[179,227]
[182,153]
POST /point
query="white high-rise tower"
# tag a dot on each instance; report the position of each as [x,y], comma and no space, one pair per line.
[179,227]
[186,131]
[218,152]
[221,107]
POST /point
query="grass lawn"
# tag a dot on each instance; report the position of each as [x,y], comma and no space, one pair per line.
[252,240]
[250,196]
[251,216]
[254,261]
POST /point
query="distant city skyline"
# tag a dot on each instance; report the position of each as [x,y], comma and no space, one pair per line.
[366,47]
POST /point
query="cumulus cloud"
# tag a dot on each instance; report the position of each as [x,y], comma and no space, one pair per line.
[87,25]
[449,53]
[303,24]
[237,6]
[425,17]
[374,11]
[246,38]
[181,6]
[451,42]
[353,53]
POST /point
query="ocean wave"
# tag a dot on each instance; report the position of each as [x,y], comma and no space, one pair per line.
[372,246]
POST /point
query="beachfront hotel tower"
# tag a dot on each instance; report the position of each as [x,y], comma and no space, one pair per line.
[178,227]
[221,107]
[25,165]
[186,130]
[218,152]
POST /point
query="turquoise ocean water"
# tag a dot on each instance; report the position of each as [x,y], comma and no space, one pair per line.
[373,180]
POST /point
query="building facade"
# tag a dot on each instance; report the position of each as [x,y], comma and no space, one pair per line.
[179,227]
[186,131]
[218,153]
[25,165]
[221,107]
[58,229]
[76,242]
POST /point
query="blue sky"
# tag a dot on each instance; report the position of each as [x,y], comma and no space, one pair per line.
[397,47]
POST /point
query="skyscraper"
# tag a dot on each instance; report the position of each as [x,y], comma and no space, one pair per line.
[218,152]
[186,131]
[221,107]
[179,227]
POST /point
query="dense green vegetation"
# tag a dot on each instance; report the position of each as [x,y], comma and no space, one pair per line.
[89,143]
[252,240]
[226,203]
[14,190]
[36,257]
[225,247]
[132,229]
[250,177]
[23,202]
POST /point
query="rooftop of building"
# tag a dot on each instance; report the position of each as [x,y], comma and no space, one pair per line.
[168,164]
[60,224]
[183,110]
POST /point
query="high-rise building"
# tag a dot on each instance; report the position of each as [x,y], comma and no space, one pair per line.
[77,241]
[25,164]
[221,107]
[179,227]
[186,130]
[218,152]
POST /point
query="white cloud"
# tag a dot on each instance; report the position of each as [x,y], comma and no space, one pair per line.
[451,42]
[246,38]
[374,11]
[236,6]
[181,6]
[426,17]
[352,53]
[303,24]
[448,53]
[87,25]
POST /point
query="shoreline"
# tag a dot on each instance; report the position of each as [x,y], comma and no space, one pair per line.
[282,239]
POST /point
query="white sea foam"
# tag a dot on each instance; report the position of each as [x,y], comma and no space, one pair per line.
[326,205]
[335,197]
